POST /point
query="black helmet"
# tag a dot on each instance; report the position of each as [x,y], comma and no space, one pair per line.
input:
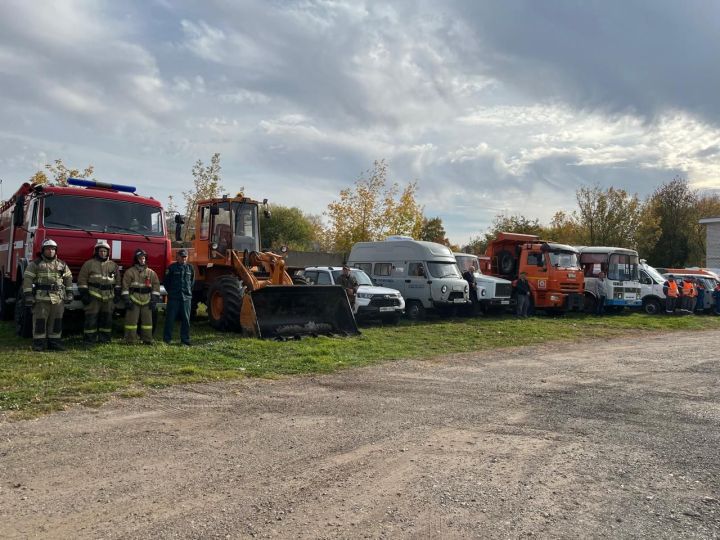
[139,253]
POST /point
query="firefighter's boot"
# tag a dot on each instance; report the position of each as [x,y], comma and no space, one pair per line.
[55,345]
[39,344]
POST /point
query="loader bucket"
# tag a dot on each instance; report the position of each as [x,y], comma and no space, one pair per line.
[284,311]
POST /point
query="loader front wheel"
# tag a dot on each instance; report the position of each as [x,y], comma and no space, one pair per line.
[224,303]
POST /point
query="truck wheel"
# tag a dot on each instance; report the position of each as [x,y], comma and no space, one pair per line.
[299,280]
[414,310]
[651,306]
[590,304]
[506,262]
[23,317]
[224,303]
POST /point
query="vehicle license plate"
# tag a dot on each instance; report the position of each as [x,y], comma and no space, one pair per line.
[459,300]
[387,308]
[504,301]
[629,296]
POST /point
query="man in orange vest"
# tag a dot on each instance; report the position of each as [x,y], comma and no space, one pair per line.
[688,294]
[670,288]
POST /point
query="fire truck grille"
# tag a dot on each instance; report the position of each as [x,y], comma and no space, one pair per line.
[456,295]
[503,290]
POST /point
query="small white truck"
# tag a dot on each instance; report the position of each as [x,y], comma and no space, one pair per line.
[493,293]
[651,289]
[370,301]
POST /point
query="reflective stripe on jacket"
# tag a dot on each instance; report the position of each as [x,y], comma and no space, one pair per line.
[48,279]
[138,283]
[100,278]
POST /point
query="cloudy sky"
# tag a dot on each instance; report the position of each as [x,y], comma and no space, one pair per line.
[502,106]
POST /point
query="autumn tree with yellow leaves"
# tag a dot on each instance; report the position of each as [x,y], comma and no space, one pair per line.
[372,210]
[59,174]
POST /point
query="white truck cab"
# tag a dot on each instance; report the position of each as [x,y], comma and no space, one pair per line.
[651,289]
[426,273]
[492,292]
[370,302]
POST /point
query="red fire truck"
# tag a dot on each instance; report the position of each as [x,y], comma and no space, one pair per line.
[76,217]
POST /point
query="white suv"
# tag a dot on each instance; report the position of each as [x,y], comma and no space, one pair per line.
[370,301]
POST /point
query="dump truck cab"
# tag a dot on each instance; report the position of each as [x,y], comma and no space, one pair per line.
[552,269]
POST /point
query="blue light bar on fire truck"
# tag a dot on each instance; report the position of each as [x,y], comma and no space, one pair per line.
[102,185]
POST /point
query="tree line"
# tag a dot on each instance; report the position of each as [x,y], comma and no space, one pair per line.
[663,227]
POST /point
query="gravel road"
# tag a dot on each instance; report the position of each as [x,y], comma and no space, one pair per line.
[615,439]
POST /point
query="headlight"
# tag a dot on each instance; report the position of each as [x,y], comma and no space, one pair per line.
[467,288]
[443,289]
[482,293]
[554,298]
[364,295]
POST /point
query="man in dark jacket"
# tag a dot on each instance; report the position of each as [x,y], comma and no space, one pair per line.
[179,280]
[522,289]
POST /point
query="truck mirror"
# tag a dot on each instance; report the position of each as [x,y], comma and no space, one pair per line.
[178,232]
[18,212]
[179,219]
[267,213]
[214,210]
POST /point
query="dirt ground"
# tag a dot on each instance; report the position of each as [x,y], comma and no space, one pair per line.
[615,439]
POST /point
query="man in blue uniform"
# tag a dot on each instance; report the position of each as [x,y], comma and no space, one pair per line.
[179,280]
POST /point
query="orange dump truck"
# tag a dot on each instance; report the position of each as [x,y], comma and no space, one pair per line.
[553,269]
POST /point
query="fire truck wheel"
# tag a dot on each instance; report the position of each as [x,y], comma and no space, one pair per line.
[505,262]
[23,317]
[224,303]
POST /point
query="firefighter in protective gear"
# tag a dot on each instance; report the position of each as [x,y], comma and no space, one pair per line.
[141,293]
[99,285]
[47,287]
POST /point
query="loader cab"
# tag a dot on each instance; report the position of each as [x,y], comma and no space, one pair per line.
[229,225]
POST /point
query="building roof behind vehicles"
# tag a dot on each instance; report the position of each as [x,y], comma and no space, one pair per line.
[606,249]
[692,271]
[397,250]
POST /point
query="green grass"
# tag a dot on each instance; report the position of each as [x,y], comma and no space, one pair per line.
[37,383]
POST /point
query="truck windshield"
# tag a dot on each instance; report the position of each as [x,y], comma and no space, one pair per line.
[564,259]
[360,276]
[102,215]
[245,230]
[443,269]
[654,274]
[464,262]
[623,267]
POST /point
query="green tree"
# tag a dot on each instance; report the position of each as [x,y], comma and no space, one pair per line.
[707,205]
[608,218]
[433,231]
[515,224]
[674,205]
[207,184]
[370,210]
[565,229]
[287,227]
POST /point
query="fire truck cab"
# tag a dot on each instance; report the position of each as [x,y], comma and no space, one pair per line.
[76,217]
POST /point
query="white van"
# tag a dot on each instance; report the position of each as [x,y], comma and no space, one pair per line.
[425,273]
[651,289]
[370,301]
[492,292]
